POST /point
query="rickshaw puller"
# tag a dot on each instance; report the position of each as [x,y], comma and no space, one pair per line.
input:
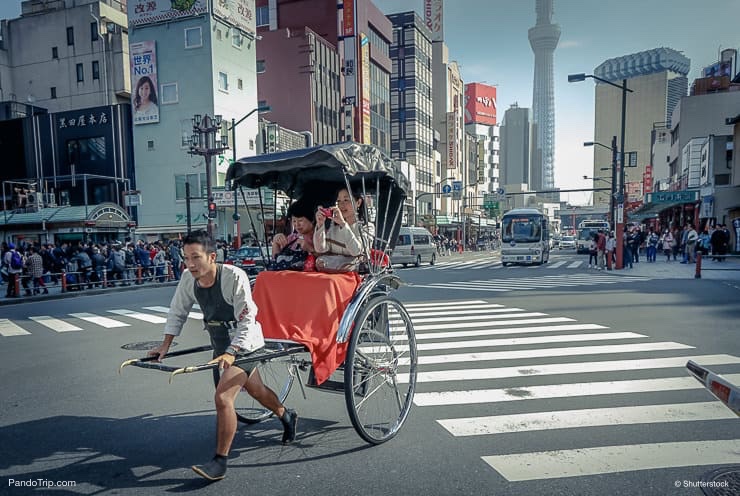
[225,298]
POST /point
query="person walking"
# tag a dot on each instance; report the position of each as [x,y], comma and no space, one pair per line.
[667,243]
[600,249]
[225,298]
[611,246]
[652,245]
[35,269]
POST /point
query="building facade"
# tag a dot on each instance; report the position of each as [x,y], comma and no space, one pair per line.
[518,140]
[66,55]
[658,80]
[480,121]
[200,61]
[412,136]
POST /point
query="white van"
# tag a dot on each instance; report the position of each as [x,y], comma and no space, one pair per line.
[415,245]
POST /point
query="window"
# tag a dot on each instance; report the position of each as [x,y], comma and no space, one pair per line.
[70,36]
[94,31]
[219,35]
[223,81]
[95,69]
[237,40]
[80,73]
[168,93]
[193,37]
[239,84]
[54,53]
[263,16]
[53,92]
[197,185]
[260,66]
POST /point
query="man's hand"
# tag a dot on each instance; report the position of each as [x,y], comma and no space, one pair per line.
[224,361]
[160,351]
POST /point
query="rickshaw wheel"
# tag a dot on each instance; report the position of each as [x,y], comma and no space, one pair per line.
[277,374]
[380,370]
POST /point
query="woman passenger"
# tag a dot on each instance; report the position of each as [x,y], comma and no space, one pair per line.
[348,233]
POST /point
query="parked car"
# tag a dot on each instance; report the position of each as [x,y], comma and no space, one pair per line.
[567,242]
[248,259]
[415,245]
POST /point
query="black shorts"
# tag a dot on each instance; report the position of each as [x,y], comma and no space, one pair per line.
[251,365]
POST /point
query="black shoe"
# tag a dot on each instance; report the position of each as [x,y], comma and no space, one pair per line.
[213,470]
[290,425]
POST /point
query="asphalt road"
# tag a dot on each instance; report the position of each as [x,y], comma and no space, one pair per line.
[583,397]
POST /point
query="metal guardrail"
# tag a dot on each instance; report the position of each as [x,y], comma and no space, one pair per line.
[699,268]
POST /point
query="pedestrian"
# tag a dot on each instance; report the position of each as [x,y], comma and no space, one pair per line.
[592,252]
[652,245]
[611,246]
[13,261]
[225,298]
[175,259]
[667,243]
[627,243]
[35,269]
[600,248]
[690,239]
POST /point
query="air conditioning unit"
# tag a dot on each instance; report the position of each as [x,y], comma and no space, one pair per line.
[32,200]
[50,200]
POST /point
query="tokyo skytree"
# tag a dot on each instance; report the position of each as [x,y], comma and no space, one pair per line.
[543,38]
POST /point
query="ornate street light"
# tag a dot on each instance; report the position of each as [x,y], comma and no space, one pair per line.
[209,139]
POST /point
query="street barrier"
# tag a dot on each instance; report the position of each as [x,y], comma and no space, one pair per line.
[702,267]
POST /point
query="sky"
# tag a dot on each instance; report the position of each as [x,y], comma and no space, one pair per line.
[488,38]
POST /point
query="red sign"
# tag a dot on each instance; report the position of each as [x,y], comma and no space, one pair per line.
[647,179]
[348,27]
[480,104]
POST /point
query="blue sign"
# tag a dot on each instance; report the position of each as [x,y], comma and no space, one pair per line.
[446,189]
[456,185]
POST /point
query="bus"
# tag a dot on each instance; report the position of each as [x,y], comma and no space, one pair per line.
[586,231]
[525,237]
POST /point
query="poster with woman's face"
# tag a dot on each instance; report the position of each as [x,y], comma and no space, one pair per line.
[144,101]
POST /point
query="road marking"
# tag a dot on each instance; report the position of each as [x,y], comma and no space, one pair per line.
[489,343]
[548,352]
[575,265]
[154,319]
[592,417]
[508,330]
[610,459]
[557,264]
[8,328]
[570,368]
[55,325]
[191,315]
[454,304]
[560,391]
[469,310]
[101,321]
[464,325]
[457,318]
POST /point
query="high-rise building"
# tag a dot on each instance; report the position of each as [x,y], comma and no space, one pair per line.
[658,80]
[412,137]
[480,121]
[518,140]
[360,36]
[543,38]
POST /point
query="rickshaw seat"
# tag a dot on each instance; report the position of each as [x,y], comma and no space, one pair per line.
[306,307]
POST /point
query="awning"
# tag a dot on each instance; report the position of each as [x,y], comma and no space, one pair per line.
[651,210]
[443,220]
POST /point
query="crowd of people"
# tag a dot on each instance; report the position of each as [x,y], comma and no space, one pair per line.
[89,265]
[674,242]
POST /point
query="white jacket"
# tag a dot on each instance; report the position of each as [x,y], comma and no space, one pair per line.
[344,240]
[236,292]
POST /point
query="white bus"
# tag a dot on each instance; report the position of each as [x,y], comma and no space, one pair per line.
[525,237]
[586,231]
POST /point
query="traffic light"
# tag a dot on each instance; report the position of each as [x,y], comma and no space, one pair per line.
[212,210]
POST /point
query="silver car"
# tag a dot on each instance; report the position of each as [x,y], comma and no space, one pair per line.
[567,242]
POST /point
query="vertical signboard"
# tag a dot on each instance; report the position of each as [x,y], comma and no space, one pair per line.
[144,102]
[348,18]
[365,61]
[647,179]
[433,18]
[451,140]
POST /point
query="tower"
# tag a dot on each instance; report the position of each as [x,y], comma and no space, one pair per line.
[543,38]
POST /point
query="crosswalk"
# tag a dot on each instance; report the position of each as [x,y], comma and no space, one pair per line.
[539,282]
[494,263]
[467,365]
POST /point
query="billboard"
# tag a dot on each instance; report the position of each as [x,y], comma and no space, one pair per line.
[144,102]
[433,18]
[719,69]
[480,104]
[365,62]
[348,18]
[141,12]
[452,140]
[236,13]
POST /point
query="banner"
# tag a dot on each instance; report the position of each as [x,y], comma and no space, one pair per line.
[433,18]
[365,61]
[141,12]
[144,101]
[451,140]
[236,13]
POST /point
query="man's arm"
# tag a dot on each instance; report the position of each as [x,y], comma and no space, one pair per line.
[180,306]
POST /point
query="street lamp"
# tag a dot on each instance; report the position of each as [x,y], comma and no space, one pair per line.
[574,78]
[208,140]
[232,128]
[421,195]
[614,151]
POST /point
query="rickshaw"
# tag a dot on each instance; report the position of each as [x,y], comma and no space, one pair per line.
[366,347]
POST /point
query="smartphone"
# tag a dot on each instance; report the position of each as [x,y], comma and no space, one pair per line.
[326,211]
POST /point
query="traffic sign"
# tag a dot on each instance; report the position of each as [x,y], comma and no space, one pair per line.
[501,191]
[456,190]
[446,189]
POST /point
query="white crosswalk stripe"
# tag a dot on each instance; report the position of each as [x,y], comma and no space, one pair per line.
[191,315]
[553,366]
[154,319]
[56,325]
[8,328]
[99,320]
[526,283]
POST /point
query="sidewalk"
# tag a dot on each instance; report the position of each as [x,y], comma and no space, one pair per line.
[729,269]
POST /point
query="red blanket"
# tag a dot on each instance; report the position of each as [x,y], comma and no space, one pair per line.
[306,307]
